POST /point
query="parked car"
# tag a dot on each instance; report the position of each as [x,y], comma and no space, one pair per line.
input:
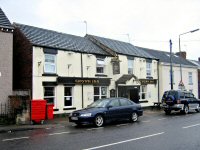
[106,110]
[178,100]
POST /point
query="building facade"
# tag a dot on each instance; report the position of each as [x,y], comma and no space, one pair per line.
[189,72]
[6,56]
[197,63]
[71,72]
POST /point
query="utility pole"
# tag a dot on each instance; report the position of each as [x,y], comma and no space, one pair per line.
[171,71]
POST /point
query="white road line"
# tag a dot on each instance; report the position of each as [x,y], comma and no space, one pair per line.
[191,126]
[147,121]
[95,128]
[162,118]
[19,138]
[125,124]
[58,133]
[143,137]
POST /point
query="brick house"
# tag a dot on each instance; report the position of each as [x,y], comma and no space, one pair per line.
[6,57]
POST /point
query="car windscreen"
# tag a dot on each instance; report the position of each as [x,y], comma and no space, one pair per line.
[100,103]
[173,93]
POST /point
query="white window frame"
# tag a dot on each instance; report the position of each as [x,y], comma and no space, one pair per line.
[54,100]
[72,96]
[190,82]
[100,94]
[130,66]
[148,69]
[143,92]
[49,63]
[100,63]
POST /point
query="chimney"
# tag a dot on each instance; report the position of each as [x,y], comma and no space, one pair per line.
[181,54]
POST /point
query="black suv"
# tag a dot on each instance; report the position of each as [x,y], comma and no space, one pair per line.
[179,101]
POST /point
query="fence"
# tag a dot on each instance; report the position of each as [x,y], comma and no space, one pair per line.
[7,114]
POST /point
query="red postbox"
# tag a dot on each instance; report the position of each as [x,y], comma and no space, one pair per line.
[50,111]
[38,110]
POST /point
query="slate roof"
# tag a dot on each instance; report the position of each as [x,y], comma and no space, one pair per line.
[4,22]
[195,62]
[123,47]
[165,57]
[52,39]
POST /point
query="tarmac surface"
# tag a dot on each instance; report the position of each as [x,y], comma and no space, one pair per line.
[57,121]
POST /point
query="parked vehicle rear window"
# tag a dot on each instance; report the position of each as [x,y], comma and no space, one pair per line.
[173,93]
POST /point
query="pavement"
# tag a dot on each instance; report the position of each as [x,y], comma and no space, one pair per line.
[58,121]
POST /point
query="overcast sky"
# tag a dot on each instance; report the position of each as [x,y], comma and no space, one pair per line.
[149,23]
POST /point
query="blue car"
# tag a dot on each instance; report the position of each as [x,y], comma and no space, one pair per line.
[106,110]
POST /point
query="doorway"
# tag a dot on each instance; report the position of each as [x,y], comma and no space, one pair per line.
[134,95]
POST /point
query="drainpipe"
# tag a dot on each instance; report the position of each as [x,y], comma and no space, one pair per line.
[82,77]
[158,81]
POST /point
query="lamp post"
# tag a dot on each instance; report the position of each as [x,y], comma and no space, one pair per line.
[171,71]
[181,81]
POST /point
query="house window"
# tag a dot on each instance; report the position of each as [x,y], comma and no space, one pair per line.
[100,92]
[100,65]
[130,66]
[49,94]
[68,96]
[148,69]
[172,77]
[50,63]
[190,78]
[143,92]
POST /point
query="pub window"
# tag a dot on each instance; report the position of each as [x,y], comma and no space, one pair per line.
[50,63]
[100,65]
[100,92]
[130,66]
[49,94]
[143,93]
[68,96]
[148,69]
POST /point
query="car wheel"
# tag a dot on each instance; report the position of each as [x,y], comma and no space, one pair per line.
[99,120]
[167,112]
[134,117]
[186,109]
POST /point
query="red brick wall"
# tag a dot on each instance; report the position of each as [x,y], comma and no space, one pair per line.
[22,61]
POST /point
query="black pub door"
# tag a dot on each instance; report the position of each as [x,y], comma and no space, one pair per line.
[134,95]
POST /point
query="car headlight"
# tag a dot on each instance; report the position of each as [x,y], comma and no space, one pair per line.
[86,115]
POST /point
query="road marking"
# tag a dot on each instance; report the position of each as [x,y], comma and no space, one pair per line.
[125,124]
[19,138]
[147,121]
[143,137]
[58,133]
[162,118]
[191,126]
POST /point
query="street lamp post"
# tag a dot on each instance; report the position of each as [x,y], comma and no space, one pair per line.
[181,81]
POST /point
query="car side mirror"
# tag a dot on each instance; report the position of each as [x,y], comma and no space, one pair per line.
[109,106]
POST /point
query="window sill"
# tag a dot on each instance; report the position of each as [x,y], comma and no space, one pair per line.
[55,109]
[69,108]
[190,83]
[50,74]
[100,75]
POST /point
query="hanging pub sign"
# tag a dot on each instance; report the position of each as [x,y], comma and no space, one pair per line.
[148,81]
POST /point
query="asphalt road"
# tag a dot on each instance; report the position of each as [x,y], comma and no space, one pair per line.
[153,131]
